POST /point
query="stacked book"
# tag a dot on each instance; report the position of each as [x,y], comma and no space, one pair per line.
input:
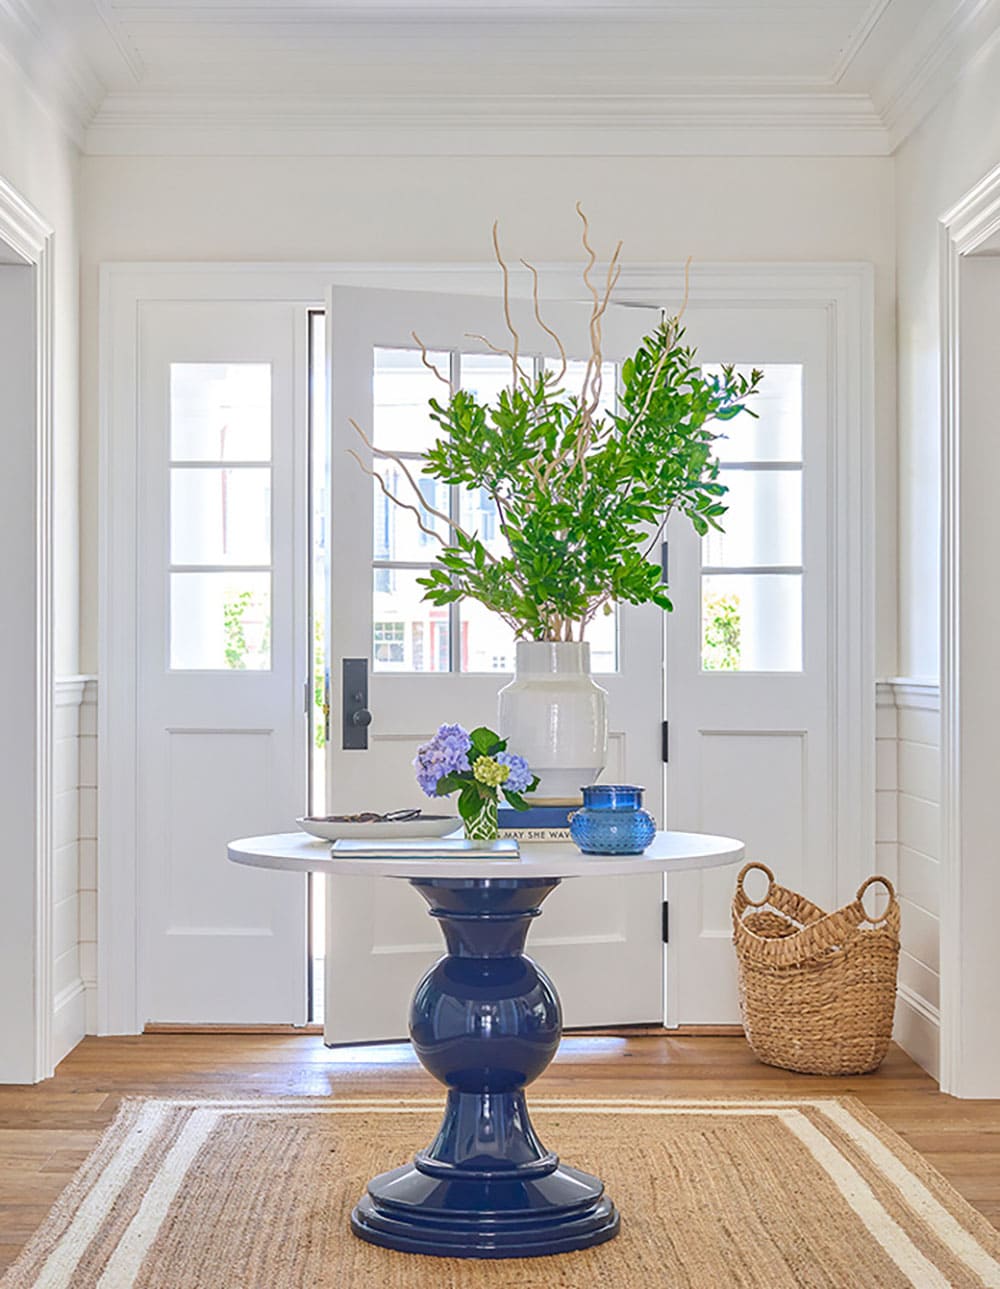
[543,821]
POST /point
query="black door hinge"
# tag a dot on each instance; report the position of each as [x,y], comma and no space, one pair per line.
[665,744]
[665,563]
[666,922]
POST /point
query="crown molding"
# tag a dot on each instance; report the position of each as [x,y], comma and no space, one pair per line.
[858,40]
[71,51]
[124,48]
[769,121]
[952,37]
[62,82]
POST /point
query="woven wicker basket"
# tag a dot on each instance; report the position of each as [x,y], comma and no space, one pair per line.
[817,990]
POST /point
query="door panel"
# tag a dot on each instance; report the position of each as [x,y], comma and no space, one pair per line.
[426,668]
[222,658]
[749,694]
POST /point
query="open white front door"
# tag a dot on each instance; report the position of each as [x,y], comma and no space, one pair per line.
[222,646]
[750,695]
[601,938]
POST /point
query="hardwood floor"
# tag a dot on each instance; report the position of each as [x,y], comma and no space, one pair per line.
[47,1131]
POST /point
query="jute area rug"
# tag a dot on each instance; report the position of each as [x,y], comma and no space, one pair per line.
[774,1194]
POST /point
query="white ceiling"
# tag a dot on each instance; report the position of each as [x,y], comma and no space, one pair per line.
[645,75]
[433,47]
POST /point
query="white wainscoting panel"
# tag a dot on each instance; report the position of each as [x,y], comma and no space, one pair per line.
[88,849]
[69,1013]
[909,848]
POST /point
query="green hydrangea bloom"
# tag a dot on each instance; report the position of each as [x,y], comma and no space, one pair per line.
[489,771]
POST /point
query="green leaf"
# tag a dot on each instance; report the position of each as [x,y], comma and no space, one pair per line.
[483,740]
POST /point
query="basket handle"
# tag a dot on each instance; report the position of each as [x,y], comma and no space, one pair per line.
[861,895]
[748,868]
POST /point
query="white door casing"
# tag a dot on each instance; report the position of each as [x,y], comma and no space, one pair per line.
[379,938]
[222,747]
[970,950]
[751,751]
[26,654]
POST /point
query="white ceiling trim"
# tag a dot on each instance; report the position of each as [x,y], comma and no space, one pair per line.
[699,116]
[122,42]
[760,123]
[859,38]
[950,39]
[63,83]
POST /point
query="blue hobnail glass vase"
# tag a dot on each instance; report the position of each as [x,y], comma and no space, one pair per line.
[612,821]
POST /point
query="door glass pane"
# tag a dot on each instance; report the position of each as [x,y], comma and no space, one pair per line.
[408,634]
[220,621]
[486,375]
[603,636]
[402,387]
[776,434]
[477,514]
[220,516]
[487,642]
[220,411]
[763,524]
[397,535]
[751,622]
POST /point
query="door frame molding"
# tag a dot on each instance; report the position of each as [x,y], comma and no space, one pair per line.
[844,291]
[30,236]
[971,222]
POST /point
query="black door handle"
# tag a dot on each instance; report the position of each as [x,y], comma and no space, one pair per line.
[355,715]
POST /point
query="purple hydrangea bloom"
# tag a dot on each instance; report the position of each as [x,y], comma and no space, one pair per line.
[520,775]
[446,753]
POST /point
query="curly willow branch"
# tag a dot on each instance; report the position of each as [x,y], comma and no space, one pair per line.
[403,505]
[393,456]
[498,349]
[427,362]
[687,289]
[506,300]
[544,326]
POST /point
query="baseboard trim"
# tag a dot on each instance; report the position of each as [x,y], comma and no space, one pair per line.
[917,1030]
[69,1019]
[607,1031]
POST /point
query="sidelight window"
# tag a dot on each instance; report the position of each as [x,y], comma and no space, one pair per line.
[752,573]
[220,516]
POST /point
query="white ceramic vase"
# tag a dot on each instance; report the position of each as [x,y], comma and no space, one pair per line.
[556,716]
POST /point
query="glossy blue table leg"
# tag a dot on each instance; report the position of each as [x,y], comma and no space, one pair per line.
[486,1022]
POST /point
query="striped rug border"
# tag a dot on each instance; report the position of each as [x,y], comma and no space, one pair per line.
[920,1188]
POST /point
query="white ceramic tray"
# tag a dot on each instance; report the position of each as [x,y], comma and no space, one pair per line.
[422,826]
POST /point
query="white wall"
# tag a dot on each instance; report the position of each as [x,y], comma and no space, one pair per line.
[39,161]
[42,165]
[956,146]
[409,209]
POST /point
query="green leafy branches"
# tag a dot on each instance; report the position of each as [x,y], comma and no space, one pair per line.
[582,498]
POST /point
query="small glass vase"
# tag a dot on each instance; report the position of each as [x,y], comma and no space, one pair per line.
[482,824]
[612,821]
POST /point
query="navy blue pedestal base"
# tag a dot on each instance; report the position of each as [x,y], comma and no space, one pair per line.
[486,1022]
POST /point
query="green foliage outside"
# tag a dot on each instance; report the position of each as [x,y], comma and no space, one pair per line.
[236,640]
[319,681]
[721,624]
[582,497]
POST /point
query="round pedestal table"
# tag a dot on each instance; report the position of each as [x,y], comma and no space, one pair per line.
[486,1021]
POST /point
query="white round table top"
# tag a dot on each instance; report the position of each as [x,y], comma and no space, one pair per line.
[298,852]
